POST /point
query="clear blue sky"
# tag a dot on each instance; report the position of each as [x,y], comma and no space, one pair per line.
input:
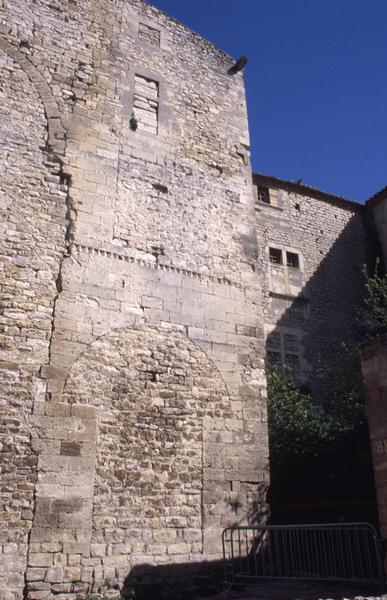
[316,84]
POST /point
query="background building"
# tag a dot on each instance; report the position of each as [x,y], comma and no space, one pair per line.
[313,248]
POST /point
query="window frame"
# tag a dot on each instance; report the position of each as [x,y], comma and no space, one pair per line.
[148,98]
[272,253]
[288,254]
[265,191]
[283,278]
[282,351]
[144,40]
[142,136]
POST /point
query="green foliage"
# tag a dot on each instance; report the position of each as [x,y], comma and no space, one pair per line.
[319,452]
[345,402]
[374,315]
[298,430]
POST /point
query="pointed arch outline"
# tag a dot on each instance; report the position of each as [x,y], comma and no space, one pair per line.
[56,132]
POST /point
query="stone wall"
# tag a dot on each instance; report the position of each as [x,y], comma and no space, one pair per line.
[135,400]
[377,209]
[374,369]
[312,283]
[32,205]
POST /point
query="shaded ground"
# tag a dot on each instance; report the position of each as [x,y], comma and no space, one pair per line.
[292,593]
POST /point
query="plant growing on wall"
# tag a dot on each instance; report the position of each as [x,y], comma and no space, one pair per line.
[133,122]
[374,316]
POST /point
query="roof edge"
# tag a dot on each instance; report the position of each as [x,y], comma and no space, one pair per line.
[219,51]
[378,197]
[307,190]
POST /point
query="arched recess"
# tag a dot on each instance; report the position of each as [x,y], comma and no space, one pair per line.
[55,130]
[33,210]
[32,240]
[155,394]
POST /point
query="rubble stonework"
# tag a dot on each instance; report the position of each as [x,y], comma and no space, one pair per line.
[33,211]
[133,250]
[134,428]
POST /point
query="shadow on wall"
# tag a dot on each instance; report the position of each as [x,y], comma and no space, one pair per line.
[174,581]
[304,333]
[322,316]
[183,580]
[308,327]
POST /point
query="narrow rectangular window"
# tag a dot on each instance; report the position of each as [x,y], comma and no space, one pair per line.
[292,260]
[275,256]
[263,194]
[274,341]
[146,103]
[274,360]
[291,343]
[292,362]
[283,353]
[149,34]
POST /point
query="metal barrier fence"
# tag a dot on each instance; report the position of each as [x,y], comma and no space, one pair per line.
[348,553]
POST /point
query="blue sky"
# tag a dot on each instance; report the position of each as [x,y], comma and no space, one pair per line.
[316,84]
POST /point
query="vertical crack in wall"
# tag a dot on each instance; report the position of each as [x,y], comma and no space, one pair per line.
[58,185]
[33,509]
[55,164]
[65,184]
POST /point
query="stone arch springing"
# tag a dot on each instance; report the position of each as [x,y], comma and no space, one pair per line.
[157,397]
[31,191]
[55,149]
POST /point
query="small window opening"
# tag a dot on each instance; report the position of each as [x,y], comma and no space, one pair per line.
[274,360]
[146,103]
[263,194]
[291,343]
[149,34]
[283,353]
[292,260]
[274,341]
[275,256]
[292,362]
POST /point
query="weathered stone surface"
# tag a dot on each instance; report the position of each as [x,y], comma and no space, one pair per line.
[310,305]
[132,400]
[32,206]
[130,334]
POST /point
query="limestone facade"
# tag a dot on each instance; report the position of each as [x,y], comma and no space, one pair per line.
[133,395]
[146,278]
[312,249]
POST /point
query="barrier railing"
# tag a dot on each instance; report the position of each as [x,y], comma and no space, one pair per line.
[348,553]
